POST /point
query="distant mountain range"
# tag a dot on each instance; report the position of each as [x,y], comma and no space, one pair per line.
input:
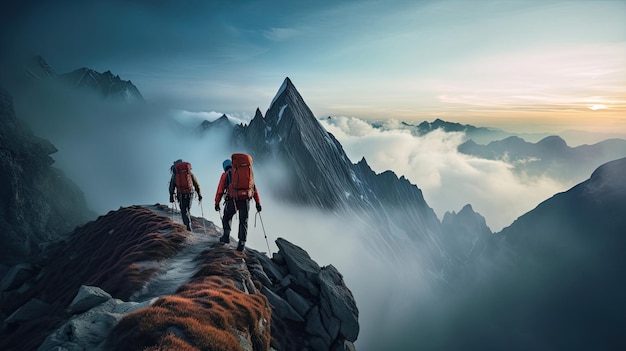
[484,135]
[480,135]
[105,84]
[550,157]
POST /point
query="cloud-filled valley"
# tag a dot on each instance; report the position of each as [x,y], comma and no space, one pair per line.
[448,178]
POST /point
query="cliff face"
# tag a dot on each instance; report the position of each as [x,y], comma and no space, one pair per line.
[135,279]
[38,204]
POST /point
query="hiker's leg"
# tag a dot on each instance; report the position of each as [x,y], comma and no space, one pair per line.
[244,207]
[229,212]
[183,210]
[185,205]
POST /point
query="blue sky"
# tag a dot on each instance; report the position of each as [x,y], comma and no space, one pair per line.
[517,65]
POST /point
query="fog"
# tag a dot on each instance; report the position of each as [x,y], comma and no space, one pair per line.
[120,155]
[448,179]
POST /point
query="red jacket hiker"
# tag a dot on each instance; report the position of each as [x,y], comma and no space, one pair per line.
[233,205]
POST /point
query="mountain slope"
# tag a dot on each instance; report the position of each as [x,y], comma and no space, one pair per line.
[551,280]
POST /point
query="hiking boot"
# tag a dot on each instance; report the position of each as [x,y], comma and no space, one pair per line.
[241,245]
[225,237]
[189,227]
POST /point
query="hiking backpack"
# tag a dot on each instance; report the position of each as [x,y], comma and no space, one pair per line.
[183,177]
[242,178]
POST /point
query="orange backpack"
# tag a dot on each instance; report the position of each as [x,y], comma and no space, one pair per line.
[242,178]
[183,177]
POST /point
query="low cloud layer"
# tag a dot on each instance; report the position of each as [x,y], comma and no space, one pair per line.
[448,179]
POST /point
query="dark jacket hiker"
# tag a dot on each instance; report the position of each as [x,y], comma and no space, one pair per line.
[183,183]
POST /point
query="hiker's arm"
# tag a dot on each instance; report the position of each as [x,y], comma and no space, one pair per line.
[257,199]
[220,188]
[196,185]
[172,184]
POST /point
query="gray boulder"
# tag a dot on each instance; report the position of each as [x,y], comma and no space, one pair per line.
[300,264]
[337,300]
[89,330]
[315,327]
[299,303]
[281,307]
[87,298]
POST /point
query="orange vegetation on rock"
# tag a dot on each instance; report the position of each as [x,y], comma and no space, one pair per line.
[211,312]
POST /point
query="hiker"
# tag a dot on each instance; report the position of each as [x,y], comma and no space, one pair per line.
[237,197]
[184,182]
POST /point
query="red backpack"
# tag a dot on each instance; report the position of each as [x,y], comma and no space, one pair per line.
[242,178]
[183,177]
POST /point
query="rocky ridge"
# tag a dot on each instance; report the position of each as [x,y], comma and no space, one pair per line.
[138,266]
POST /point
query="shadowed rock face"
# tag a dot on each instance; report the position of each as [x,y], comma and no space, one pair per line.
[37,203]
[553,280]
[312,307]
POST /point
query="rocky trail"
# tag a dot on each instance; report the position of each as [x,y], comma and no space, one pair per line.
[177,270]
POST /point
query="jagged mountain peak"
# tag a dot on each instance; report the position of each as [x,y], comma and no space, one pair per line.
[286,86]
[363,162]
[223,121]
[107,84]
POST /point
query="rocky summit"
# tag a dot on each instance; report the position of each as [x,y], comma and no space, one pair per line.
[135,279]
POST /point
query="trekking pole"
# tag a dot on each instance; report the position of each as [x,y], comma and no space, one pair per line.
[202,211]
[265,234]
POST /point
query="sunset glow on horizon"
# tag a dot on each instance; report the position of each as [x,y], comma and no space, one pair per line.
[549,65]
